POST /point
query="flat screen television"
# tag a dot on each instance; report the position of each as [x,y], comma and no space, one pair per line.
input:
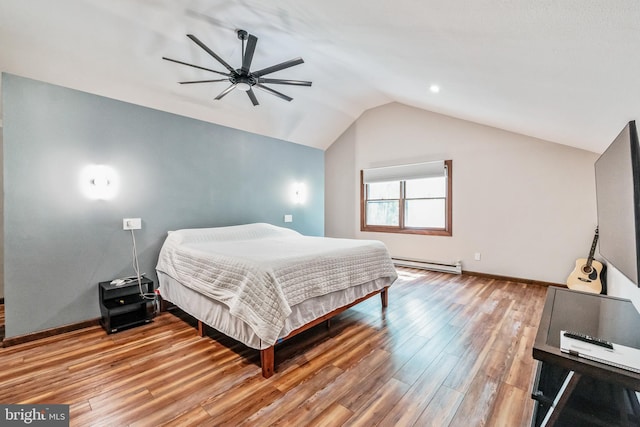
[618,201]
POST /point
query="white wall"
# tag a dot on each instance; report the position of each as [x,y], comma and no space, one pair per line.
[619,286]
[340,186]
[527,205]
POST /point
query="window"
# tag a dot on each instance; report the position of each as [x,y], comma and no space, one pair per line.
[413,199]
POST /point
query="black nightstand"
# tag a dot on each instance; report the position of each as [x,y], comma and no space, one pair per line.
[122,306]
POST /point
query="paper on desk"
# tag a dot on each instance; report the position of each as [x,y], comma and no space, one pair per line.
[621,356]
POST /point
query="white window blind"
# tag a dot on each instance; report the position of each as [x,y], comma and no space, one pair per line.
[404,172]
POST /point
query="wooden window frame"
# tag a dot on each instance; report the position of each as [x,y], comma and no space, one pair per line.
[401,229]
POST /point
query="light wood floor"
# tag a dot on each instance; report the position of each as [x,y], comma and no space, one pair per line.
[449,351]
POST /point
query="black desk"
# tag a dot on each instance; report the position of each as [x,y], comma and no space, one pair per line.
[574,391]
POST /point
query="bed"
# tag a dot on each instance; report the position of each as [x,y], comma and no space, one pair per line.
[261,284]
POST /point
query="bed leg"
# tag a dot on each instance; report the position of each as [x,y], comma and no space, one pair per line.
[384,295]
[164,305]
[267,360]
[200,328]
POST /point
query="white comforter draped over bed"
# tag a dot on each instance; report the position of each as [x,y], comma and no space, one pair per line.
[259,270]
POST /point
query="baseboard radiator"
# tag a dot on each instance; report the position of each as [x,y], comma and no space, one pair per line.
[455,268]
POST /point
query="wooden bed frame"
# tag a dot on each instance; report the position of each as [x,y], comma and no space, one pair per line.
[267,355]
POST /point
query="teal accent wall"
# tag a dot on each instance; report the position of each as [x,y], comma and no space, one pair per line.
[174,172]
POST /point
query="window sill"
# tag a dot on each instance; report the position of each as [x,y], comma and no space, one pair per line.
[422,231]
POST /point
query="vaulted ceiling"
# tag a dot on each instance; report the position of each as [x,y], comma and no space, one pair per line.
[562,71]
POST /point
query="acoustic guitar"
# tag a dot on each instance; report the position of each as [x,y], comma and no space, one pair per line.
[587,276]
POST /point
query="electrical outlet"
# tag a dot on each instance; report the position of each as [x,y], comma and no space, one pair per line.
[477,256]
[131,223]
[288,218]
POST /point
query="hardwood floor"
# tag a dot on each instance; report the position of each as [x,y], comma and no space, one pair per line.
[448,351]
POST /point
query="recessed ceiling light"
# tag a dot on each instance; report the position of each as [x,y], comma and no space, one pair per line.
[434,88]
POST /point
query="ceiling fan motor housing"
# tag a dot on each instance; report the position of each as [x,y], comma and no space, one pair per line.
[243,82]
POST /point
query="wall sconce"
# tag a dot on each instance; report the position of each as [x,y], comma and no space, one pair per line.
[99,182]
[299,193]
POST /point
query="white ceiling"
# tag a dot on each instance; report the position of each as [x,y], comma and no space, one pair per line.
[564,71]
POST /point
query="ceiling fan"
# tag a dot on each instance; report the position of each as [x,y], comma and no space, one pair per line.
[242,78]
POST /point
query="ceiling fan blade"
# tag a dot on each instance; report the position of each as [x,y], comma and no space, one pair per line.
[204,81]
[278,67]
[248,54]
[196,66]
[273,92]
[210,52]
[252,97]
[226,91]
[285,82]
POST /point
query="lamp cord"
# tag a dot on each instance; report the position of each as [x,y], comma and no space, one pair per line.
[136,268]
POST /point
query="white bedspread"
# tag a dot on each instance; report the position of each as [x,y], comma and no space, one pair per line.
[259,270]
